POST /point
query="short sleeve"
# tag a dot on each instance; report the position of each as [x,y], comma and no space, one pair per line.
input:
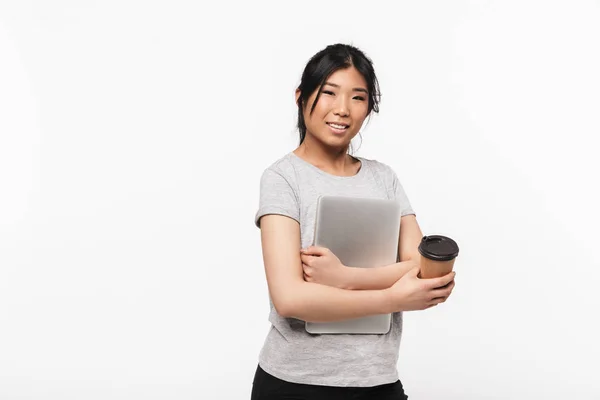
[400,195]
[276,197]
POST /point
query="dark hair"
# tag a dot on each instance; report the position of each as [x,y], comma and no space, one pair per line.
[326,62]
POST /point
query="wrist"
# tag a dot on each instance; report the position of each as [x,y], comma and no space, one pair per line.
[388,301]
[350,278]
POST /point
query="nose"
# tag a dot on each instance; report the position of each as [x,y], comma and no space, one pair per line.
[341,107]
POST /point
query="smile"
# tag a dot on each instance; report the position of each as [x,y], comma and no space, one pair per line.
[337,128]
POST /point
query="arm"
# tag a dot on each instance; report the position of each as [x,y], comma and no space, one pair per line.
[377,278]
[294,297]
[384,277]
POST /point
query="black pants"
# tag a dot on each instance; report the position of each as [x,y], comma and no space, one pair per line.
[268,387]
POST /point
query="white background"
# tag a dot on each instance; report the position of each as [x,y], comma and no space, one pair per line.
[132,139]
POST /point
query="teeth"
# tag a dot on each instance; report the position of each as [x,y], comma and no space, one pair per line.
[338,126]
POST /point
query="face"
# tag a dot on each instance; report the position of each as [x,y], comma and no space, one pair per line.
[341,109]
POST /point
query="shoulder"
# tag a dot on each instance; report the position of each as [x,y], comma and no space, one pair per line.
[278,191]
[282,166]
[280,171]
[385,170]
[387,174]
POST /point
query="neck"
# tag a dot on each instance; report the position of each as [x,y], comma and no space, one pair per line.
[333,160]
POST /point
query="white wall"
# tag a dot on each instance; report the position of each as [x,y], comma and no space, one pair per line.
[133,135]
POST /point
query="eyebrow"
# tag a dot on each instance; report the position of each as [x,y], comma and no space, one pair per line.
[358,89]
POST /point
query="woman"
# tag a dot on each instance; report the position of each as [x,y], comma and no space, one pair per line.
[337,92]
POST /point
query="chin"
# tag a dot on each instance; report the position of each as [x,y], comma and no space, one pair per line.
[332,141]
[337,143]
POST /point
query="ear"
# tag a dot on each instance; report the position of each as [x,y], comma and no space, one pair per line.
[298,93]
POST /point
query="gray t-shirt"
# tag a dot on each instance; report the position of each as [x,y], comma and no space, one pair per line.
[291,187]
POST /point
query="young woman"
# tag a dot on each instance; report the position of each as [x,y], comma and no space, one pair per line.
[337,92]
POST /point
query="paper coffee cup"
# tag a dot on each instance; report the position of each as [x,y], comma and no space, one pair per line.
[437,256]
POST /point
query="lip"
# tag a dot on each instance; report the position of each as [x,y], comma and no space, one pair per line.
[338,123]
[337,132]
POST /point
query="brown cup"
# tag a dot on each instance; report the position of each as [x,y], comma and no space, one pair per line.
[438,254]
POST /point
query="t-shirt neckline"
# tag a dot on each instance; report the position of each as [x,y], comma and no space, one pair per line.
[320,171]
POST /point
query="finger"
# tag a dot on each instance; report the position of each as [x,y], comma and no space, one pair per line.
[315,251]
[444,291]
[307,269]
[436,301]
[308,260]
[435,283]
[414,271]
[449,285]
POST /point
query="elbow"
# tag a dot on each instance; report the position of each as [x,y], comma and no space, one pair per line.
[286,302]
[284,306]
[283,311]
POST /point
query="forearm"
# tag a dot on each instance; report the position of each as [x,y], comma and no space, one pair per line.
[377,278]
[313,302]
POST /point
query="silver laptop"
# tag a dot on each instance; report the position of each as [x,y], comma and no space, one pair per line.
[362,233]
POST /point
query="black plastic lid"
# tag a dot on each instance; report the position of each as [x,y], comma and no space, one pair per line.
[438,248]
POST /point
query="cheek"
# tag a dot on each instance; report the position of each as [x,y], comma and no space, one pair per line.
[360,111]
[319,113]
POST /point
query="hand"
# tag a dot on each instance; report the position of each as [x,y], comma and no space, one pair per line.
[413,293]
[320,265]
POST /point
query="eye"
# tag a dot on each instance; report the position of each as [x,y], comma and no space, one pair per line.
[359,98]
[327,92]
